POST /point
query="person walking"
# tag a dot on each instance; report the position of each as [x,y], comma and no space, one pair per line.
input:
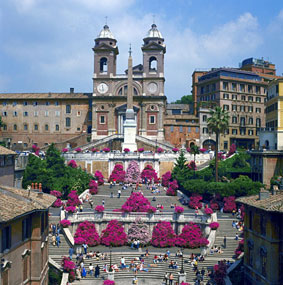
[171,278]
[224,241]
[90,269]
[85,246]
[71,251]
[103,202]
[83,272]
[166,277]
[58,240]
[119,193]
[97,271]
[53,240]
[237,237]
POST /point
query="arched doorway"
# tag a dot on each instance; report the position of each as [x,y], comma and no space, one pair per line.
[209,144]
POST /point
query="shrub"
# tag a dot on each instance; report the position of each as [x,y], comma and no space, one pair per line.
[195,202]
[56,193]
[192,165]
[94,149]
[65,223]
[132,173]
[166,177]
[220,272]
[114,234]
[67,264]
[99,177]
[171,192]
[174,184]
[175,149]
[240,248]
[71,209]
[159,150]
[139,230]
[149,173]
[78,149]
[232,149]
[136,203]
[191,237]
[214,205]
[141,149]
[87,233]
[179,209]
[72,163]
[214,225]
[93,187]
[208,211]
[58,203]
[64,150]
[229,204]
[106,149]
[118,174]
[151,210]
[163,235]
[126,150]
[108,282]
[99,208]
[73,199]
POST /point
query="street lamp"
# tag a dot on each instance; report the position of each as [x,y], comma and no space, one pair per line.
[182,271]
[110,269]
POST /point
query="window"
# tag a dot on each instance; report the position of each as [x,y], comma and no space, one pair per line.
[57,113]
[46,127]
[25,145]
[250,89]
[213,87]
[263,257]
[176,112]
[57,128]
[5,127]
[250,98]
[225,96]
[68,122]
[250,132]
[250,109]
[234,86]
[205,130]
[56,103]
[172,129]
[25,103]
[36,113]
[15,114]
[206,88]
[258,99]
[257,89]
[152,63]
[47,103]
[250,252]
[225,144]
[35,103]
[15,127]
[226,107]
[68,109]
[14,104]
[189,129]
[234,131]
[242,131]
[242,108]
[258,110]
[197,129]
[234,97]
[234,120]
[226,132]
[263,225]
[251,121]
[242,121]
[102,119]
[242,87]
[202,90]
[6,238]
[225,85]
[78,129]
[234,108]
[25,114]
[103,65]
[181,129]
[243,98]
[46,113]
[25,127]
[26,228]
[250,220]
[152,119]
[36,127]
[5,114]
[213,97]
[204,118]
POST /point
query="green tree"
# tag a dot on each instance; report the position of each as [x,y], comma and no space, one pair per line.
[194,150]
[180,170]
[186,99]
[217,123]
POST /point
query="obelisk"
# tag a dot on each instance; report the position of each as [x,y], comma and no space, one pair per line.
[130,125]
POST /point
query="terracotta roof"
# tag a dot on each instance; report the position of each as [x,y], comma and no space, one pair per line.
[4,150]
[48,96]
[274,203]
[15,202]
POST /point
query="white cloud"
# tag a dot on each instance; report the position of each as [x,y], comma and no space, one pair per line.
[24,6]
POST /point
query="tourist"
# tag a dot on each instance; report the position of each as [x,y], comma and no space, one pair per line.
[85,246]
[105,268]
[135,280]
[53,240]
[154,199]
[196,212]
[97,271]
[111,195]
[165,257]
[138,244]
[83,272]
[166,277]
[160,258]
[119,194]
[78,273]
[147,252]
[224,242]
[202,272]
[91,204]
[171,264]
[81,208]
[155,259]
[219,250]
[103,202]
[71,251]
[237,236]
[90,269]
[234,224]
[53,229]
[172,206]
[110,185]
[123,262]
[58,240]
[171,278]
[58,229]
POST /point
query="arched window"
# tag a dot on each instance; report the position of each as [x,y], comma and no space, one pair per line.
[153,64]
[258,122]
[68,122]
[123,91]
[103,65]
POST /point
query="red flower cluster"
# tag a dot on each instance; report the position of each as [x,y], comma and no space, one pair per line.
[65,223]
[136,203]
[229,204]
[78,149]
[71,209]
[192,165]
[99,208]
[35,149]
[114,234]
[172,190]
[175,149]
[56,193]
[106,149]
[58,203]
[108,282]
[195,202]
[151,210]
[214,225]
[141,149]
[240,248]
[163,235]
[64,150]
[179,209]
[87,233]
[149,173]
[73,199]
[202,150]
[232,149]
[126,150]
[214,205]
[94,149]
[191,237]
[93,188]
[166,177]
[99,177]
[72,163]
[67,264]
[208,211]
[220,272]
[118,174]
[159,150]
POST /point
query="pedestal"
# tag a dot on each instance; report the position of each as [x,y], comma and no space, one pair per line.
[130,131]
[110,275]
[182,277]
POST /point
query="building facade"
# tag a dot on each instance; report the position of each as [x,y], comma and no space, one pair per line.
[7,166]
[263,236]
[24,236]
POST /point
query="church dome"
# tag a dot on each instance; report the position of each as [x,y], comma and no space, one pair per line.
[154,32]
[105,33]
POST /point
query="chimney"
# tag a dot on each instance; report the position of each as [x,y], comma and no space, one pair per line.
[72,90]
[263,194]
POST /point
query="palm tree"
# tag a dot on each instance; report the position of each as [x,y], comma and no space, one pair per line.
[217,123]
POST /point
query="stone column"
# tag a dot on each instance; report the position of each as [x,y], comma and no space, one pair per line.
[160,134]
[94,123]
[111,120]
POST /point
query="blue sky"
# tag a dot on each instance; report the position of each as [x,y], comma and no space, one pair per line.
[45,45]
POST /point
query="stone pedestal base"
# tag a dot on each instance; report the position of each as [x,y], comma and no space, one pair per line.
[160,135]
[130,130]
[182,277]
[110,275]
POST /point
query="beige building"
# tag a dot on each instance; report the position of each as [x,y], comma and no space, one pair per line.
[263,235]
[24,236]
[7,166]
